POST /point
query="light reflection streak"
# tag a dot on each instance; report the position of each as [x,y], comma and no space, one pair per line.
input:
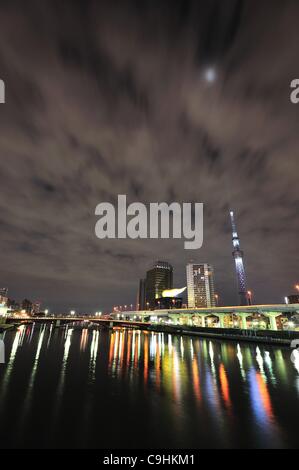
[29,392]
[111,348]
[60,386]
[93,353]
[191,349]
[268,362]
[196,380]
[224,386]
[129,347]
[296,359]
[50,335]
[211,353]
[153,346]
[158,365]
[170,344]
[67,346]
[133,346]
[123,339]
[136,351]
[10,364]
[115,351]
[22,335]
[176,375]
[281,366]
[32,330]
[212,391]
[182,348]
[240,358]
[260,398]
[145,370]
[121,347]
[260,361]
[84,339]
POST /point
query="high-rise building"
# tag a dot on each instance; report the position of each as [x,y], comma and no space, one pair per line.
[158,279]
[36,307]
[3,295]
[200,285]
[27,306]
[293,299]
[141,302]
[239,263]
[3,291]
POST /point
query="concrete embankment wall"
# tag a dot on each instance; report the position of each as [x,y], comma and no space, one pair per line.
[229,334]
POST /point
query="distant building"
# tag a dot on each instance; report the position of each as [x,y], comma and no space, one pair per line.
[3,295]
[141,302]
[3,291]
[36,307]
[293,299]
[158,279]
[13,305]
[200,285]
[27,306]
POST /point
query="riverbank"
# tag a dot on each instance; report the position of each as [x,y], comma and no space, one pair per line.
[279,338]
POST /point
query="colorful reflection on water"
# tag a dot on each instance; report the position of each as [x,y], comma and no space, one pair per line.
[129,388]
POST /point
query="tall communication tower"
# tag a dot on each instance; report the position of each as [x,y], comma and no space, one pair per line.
[238,257]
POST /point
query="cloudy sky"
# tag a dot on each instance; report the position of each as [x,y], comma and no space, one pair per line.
[159,100]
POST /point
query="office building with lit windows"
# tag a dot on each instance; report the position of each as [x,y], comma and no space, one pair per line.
[158,279]
[200,285]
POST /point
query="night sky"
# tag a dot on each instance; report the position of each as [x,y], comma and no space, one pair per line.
[160,100]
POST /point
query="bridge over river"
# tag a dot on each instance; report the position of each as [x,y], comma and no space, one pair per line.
[274,323]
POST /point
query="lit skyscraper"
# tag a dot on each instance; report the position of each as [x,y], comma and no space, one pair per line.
[238,257]
[200,285]
[3,295]
[158,279]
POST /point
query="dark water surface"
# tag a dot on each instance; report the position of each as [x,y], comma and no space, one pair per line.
[65,387]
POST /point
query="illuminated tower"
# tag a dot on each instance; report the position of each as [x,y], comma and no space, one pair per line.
[238,257]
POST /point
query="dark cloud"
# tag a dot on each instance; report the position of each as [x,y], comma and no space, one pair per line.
[107,98]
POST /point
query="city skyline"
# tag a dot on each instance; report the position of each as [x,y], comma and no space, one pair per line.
[98,106]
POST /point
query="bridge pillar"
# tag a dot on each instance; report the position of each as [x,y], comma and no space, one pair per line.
[220,316]
[175,319]
[57,323]
[272,317]
[243,317]
[111,324]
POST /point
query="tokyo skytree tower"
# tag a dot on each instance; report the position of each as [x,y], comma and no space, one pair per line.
[238,257]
